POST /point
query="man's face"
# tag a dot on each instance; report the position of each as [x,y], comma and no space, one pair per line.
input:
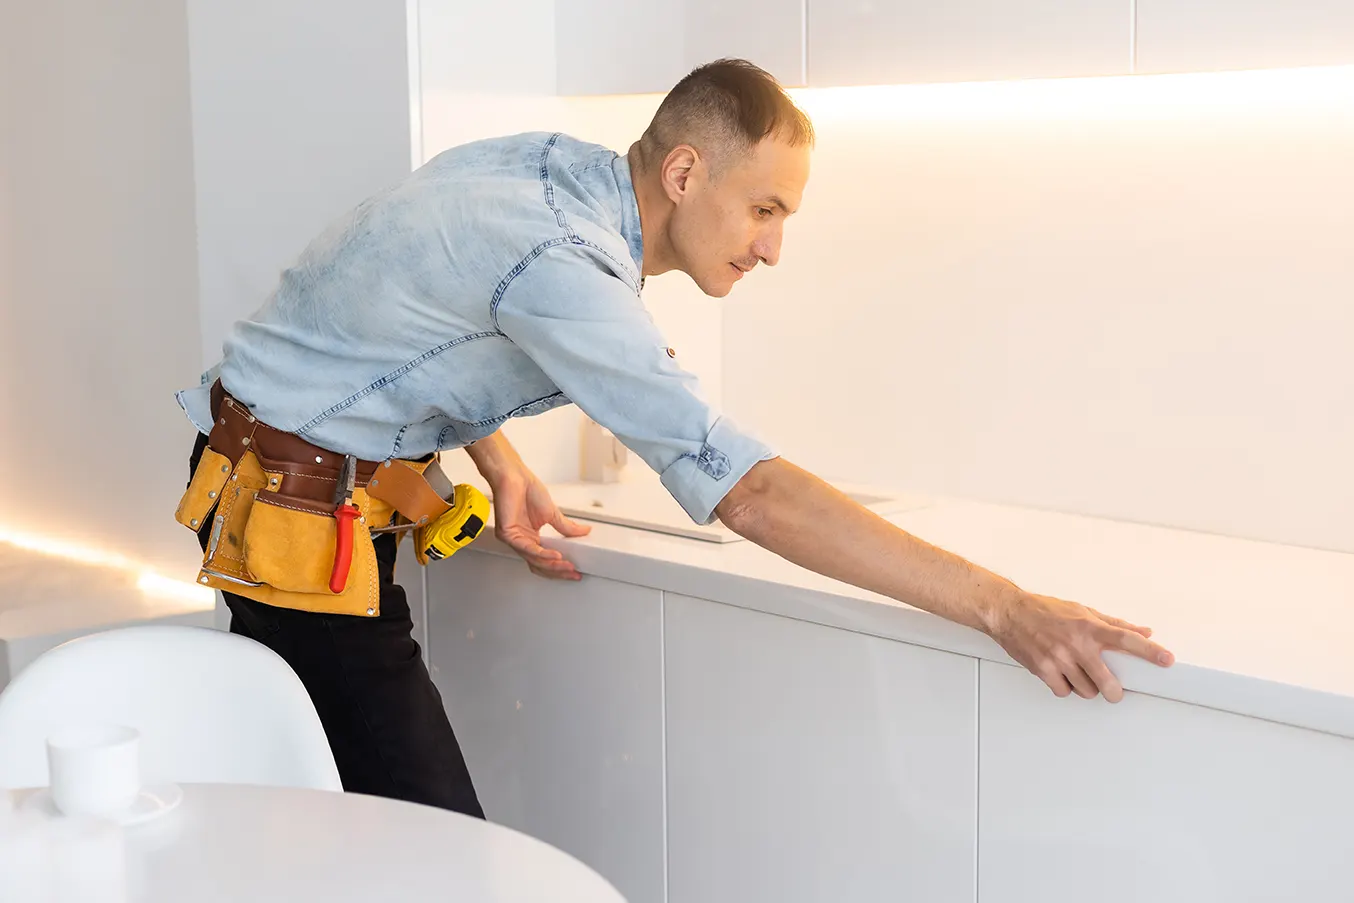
[727,222]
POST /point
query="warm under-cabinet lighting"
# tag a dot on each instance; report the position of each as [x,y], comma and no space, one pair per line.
[148,580]
[153,584]
[1116,97]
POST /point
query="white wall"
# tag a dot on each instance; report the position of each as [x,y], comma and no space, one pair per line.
[163,162]
[1129,298]
[98,320]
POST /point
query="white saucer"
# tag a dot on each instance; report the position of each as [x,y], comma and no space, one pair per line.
[151,802]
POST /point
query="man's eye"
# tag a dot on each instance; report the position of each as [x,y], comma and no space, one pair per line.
[763,211]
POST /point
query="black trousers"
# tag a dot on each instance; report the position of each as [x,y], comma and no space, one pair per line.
[384,718]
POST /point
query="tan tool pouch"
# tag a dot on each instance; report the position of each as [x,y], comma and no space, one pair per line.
[204,490]
[274,548]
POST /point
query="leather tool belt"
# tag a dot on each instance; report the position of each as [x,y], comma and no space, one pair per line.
[270,500]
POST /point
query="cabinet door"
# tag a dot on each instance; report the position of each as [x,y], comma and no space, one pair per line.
[1194,35]
[628,47]
[868,42]
[618,47]
[555,692]
[808,764]
[1155,800]
[769,33]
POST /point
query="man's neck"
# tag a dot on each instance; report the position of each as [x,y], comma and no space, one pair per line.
[654,210]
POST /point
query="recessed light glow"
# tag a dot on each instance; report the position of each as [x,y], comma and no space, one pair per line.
[148,581]
[1118,97]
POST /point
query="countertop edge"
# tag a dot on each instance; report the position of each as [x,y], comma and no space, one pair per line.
[1226,691]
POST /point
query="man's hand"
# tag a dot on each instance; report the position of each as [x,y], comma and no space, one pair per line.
[1061,643]
[522,505]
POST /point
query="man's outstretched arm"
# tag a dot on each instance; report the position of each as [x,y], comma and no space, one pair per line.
[801,518]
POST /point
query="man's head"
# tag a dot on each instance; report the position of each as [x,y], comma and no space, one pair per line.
[721,166]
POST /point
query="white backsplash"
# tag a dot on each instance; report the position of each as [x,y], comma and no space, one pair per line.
[1128,298]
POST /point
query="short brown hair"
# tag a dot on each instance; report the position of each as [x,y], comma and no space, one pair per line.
[725,106]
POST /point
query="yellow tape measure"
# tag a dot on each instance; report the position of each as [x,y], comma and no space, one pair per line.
[458,527]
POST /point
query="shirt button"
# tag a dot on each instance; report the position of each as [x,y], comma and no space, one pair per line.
[672,352]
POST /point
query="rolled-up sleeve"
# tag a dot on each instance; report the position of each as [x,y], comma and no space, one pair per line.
[588,331]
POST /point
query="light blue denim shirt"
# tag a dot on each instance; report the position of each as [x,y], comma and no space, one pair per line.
[501,279]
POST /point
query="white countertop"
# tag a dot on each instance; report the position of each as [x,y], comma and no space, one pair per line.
[45,594]
[46,599]
[1257,628]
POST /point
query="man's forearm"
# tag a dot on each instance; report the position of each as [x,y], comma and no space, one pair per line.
[496,459]
[793,513]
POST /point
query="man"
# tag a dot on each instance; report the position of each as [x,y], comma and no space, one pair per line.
[503,279]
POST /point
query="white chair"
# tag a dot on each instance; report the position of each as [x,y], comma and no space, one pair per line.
[211,707]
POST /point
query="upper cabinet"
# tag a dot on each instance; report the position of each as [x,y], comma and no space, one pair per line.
[643,47]
[884,42]
[770,33]
[617,47]
[1200,35]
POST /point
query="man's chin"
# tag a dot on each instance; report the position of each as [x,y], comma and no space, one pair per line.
[715,289]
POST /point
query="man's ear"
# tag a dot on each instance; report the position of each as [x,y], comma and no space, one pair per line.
[676,172]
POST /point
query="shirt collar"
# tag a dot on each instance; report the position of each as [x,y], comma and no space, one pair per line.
[630,225]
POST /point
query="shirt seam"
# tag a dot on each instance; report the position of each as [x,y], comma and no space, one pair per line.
[394,375]
[577,170]
[537,252]
[549,188]
[501,418]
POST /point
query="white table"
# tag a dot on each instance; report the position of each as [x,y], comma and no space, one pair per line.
[230,842]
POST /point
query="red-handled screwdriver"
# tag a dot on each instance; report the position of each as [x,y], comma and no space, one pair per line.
[345,512]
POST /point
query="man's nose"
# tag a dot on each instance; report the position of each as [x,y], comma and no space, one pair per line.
[767,248]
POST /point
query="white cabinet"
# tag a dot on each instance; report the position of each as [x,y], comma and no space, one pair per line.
[769,33]
[617,47]
[1193,35]
[639,46]
[1155,800]
[871,42]
[555,692]
[809,764]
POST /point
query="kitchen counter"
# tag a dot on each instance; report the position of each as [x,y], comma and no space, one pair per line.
[1257,629]
[704,721]
[47,599]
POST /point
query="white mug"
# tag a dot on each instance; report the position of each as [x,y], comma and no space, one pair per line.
[94,769]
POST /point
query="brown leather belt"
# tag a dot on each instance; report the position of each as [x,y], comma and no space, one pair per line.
[309,472]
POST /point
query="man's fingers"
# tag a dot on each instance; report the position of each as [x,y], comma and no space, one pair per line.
[1055,680]
[567,527]
[550,564]
[566,572]
[542,561]
[1082,685]
[1120,622]
[1139,645]
[1104,678]
[525,544]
